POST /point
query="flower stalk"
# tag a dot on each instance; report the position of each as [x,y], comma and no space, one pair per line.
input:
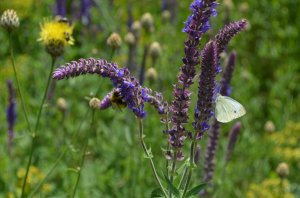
[34,134]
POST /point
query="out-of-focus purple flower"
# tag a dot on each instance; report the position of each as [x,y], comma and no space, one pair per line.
[60,8]
[227,75]
[211,148]
[206,89]
[133,94]
[232,138]
[228,32]
[195,27]
[85,11]
[11,113]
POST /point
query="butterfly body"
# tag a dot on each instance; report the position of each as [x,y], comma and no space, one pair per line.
[228,109]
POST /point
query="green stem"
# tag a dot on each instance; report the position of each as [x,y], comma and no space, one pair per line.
[172,171]
[49,173]
[191,166]
[17,80]
[141,136]
[182,178]
[168,145]
[83,154]
[61,155]
[33,141]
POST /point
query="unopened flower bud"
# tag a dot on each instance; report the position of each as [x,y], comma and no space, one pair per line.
[166,15]
[244,7]
[151,74]
[269,126]
[283,170]
[136,29]
[62,104]
[9,20]
[155,50]
[94,103]
[228,4]
[130,39]
[147,22]
[114,40]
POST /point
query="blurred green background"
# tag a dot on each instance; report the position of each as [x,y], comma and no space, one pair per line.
[266,81]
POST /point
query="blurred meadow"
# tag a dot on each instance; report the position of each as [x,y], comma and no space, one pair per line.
[105,158]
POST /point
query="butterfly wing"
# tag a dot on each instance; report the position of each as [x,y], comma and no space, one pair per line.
[228,109]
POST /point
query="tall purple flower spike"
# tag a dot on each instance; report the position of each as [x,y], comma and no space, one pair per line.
[60,8]
[11,114]
[132,92]
[196,25]
[206,88]
[212,143]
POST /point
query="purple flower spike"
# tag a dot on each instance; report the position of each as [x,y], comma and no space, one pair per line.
[11,114]
[60,8]
[228,32]
[233,135]
[196,25]
[133,94]
[227,75]
[206,89]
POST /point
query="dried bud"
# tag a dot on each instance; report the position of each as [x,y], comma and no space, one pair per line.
[136,29]
[269,126]
[62,104]
[155,50]
[130,39]
[9,20]
[244,7]
[114,40]
[151,74]
[228,4]
[94,103]
[147,22]
[166,15]
[283,169]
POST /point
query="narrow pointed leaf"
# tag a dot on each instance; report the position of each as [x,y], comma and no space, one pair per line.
[172,188]
[195,190]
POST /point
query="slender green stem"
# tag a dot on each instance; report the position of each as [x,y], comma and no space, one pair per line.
[83,154]
[49,173]
[17,80]
[173,171]
[191,167]
[168,144]
[60,156]
[182,178]
[33,141]
[149,156]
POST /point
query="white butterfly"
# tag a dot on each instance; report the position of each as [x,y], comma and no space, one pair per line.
[228,109]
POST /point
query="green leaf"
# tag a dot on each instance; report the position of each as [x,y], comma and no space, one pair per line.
[157,193]
[195,190]
[171,187]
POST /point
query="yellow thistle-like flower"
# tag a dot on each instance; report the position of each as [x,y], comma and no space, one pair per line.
[56,35]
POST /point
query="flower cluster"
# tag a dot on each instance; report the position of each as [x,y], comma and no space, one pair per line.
[196,25]
[133,94]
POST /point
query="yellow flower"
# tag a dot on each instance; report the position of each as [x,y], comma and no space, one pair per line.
[56,35]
